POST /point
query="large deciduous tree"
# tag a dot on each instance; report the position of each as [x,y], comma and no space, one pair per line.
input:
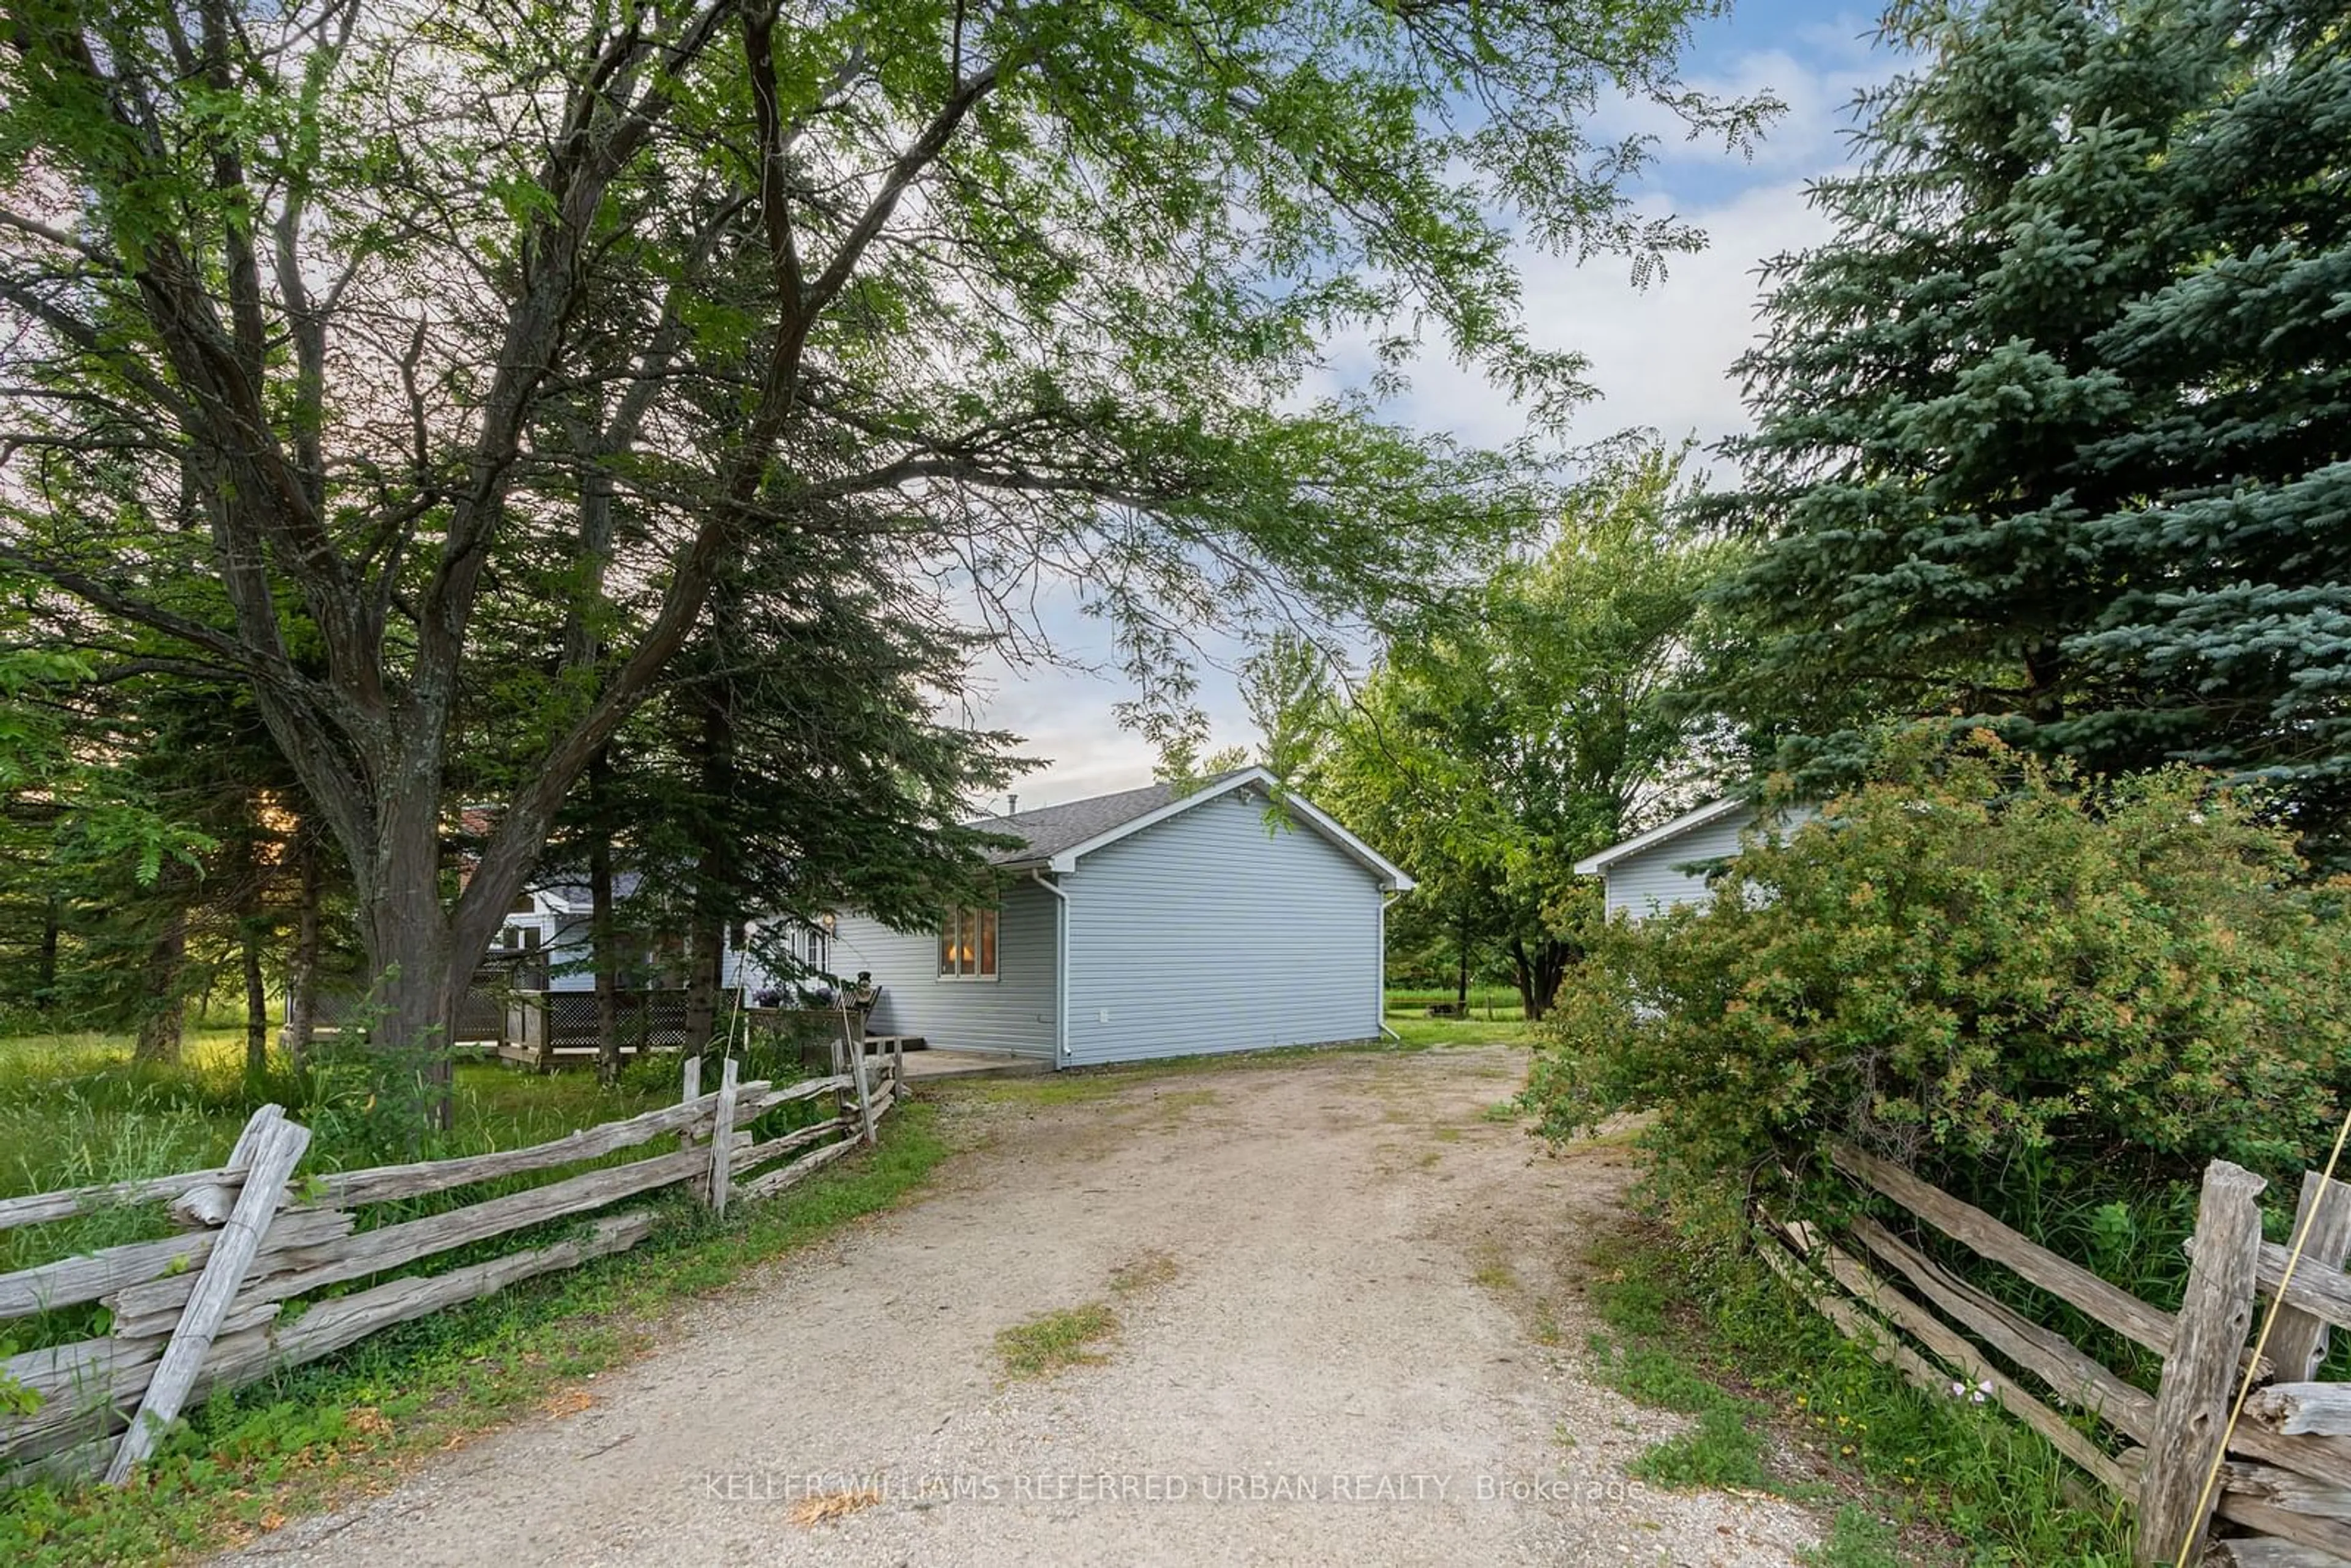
[323,318]
[2056,430]
[1532,720]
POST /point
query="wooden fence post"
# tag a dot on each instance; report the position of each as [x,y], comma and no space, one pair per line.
[722,1138]
[2200,1374]
[2298,1339]
[275,1147]
[690,1090]
[864,1093]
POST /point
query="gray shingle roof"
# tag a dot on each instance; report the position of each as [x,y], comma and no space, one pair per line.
[1049,830]
[575,894]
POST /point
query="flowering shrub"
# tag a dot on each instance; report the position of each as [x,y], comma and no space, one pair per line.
[1974,957]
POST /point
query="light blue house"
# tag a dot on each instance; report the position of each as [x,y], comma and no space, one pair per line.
[1148,924]
[1669,864]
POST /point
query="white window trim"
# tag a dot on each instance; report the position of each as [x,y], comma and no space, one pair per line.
[974,977]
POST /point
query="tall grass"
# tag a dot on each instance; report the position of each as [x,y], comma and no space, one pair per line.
[307,1437]
[1944,1470]
[77,1110]
[2130,1227]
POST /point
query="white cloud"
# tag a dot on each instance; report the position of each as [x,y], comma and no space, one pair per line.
[1815,71]
[1660,357]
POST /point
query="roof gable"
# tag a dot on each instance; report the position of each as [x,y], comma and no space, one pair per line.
[1665,832]
[1054,837]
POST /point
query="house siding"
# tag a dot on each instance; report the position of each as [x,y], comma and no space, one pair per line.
[1208,932]
[1013,1012]
[1642,884]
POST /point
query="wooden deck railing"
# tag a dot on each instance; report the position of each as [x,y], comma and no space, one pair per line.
[2283,1475]
[205,1308]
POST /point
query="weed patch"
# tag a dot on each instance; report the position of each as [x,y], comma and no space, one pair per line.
[1493,1270]
[1050,1342]
[1686,1323]
[1721,1451]
[1147,1272]
[1857,1539]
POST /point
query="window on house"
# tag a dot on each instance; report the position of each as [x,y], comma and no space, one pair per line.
[968,944]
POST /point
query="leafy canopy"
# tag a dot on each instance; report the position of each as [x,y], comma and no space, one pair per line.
[333,327]
[1524,723]
[1974,957]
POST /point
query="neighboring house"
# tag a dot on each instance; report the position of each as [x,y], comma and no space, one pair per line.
[1148,924]
[1669,865]
[545,946]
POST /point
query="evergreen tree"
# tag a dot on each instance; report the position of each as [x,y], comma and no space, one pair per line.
[2056,429]
[798,763]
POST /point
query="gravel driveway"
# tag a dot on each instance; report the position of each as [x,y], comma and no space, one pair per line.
[1321,1270]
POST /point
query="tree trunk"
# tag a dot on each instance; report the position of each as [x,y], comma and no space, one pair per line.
[2045,675]
[160,1026]
[705,972]
[602,939]
[52,920]
[416,986]
[1538,973]
[257,1000]
[1461,974]
[302,965]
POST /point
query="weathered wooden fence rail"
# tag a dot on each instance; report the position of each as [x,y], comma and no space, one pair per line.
[2283,1471]
[205,1308]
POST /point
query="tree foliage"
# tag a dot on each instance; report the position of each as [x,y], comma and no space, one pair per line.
[2055,430]
[329,323]
[1974,957]
[1529,721]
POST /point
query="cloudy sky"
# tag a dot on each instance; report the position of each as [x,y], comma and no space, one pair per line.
[1660,356]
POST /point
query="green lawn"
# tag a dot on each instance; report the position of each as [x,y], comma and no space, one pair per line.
[1493,1019]
[1420,1032]
[1486,1002]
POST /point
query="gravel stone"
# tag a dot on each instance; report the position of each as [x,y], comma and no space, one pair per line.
[1341,1366]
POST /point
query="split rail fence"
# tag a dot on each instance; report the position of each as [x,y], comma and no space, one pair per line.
[205,1309]
[2282,1484]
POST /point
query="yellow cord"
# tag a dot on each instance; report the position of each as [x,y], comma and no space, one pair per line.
[2261,1342]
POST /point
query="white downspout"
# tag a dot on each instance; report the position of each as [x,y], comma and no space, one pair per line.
[1381,1011]
[1062,970]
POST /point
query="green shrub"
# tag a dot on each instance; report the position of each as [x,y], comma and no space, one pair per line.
[1976,960]
[653,1076]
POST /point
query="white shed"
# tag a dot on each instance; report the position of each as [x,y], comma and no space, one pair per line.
[1147,923]
[1668,864]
